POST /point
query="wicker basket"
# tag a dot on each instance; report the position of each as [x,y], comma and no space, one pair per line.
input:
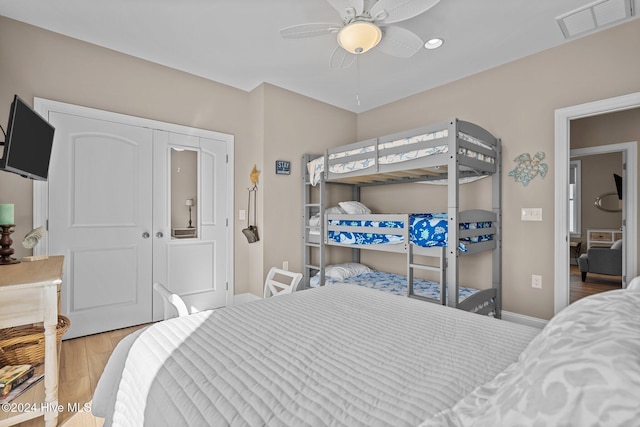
[25,344]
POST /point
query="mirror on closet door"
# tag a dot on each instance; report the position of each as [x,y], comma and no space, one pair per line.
[184,191]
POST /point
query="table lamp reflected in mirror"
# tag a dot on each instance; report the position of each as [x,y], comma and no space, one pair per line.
[190,203]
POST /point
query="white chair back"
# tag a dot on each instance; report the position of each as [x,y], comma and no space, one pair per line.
[274,287]
[172,302]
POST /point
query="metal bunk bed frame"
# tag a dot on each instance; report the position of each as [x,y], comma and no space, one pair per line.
[422,169]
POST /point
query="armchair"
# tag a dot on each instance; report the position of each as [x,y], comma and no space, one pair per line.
[602,260]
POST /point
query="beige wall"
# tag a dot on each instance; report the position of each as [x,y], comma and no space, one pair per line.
[293,125]
[516,102]
[284,126]
[39,63]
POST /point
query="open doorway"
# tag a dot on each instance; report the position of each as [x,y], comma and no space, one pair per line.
[595,215]
[563,119]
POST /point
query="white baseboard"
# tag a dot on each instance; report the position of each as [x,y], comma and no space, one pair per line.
[524,320]
[245,297]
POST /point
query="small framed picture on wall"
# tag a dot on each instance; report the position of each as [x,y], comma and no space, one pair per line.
[283,167]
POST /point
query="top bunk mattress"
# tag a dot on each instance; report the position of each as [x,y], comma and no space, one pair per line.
[409,152]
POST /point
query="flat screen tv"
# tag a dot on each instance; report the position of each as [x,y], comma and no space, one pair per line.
[28,142]
[618,180]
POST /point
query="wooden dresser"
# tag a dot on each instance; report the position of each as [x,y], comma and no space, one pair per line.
[29,294]
[602,237]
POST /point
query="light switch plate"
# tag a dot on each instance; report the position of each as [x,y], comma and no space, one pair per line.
[531,214]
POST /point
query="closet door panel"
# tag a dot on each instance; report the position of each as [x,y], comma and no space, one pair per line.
[109,286]
[99,209]
[214,221]
[192,266]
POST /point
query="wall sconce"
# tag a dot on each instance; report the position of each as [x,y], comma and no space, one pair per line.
[189,203]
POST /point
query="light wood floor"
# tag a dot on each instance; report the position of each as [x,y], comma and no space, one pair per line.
[82,361]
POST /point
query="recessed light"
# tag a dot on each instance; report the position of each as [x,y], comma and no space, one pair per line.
[433,44]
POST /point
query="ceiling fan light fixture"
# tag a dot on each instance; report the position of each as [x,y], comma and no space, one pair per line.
[360,36]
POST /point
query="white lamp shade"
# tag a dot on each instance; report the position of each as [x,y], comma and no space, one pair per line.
[188,202]
[359,37]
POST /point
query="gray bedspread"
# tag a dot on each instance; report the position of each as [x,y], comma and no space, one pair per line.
[339,355]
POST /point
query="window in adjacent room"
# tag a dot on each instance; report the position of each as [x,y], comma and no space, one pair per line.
[574,198]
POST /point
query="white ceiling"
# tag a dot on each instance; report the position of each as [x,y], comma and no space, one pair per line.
[237,42]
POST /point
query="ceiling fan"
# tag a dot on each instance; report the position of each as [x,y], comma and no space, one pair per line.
[365,26]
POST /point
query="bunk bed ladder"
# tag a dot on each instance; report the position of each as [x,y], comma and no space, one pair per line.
[496,184]
[309,208]
[441,268]
[452,213]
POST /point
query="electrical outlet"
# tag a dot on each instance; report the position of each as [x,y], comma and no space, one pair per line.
[536,281]
[285,265]
[242,214]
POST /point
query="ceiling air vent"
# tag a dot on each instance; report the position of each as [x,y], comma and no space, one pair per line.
[594,16]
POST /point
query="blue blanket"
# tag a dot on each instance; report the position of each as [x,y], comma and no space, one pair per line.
[395,284]
[425,230]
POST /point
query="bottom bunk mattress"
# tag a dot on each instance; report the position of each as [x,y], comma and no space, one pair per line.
[338,355]
[393,283]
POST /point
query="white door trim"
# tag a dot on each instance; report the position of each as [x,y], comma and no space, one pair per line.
[41,188]
[563,119]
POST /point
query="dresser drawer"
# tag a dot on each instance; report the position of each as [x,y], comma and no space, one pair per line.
[599,236]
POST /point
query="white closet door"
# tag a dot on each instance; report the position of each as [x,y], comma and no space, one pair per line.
[100,218]
[195,268]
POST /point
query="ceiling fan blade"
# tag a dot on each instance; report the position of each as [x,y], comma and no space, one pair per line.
[399,42]
[400,10]
[340,59]
[343,7]
[309,30]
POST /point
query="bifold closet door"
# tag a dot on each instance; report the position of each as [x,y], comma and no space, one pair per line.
[100,219]
[192,266]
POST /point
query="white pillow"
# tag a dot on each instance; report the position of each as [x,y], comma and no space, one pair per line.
[334,210]
[617,245]
[346,270]
[354,208]
[582,369]
[314,221]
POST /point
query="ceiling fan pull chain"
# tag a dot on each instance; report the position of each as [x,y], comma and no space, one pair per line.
[358,77]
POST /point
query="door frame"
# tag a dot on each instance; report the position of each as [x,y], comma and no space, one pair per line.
[41,188]
[563,119]
[629,152]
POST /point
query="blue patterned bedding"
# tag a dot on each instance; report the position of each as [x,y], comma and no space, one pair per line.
[394,283]
[315,167]
[425,230]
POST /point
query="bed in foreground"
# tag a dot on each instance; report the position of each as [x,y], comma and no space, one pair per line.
[336,355]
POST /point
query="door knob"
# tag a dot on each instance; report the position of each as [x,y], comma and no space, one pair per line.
[159,235]
[145,235]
